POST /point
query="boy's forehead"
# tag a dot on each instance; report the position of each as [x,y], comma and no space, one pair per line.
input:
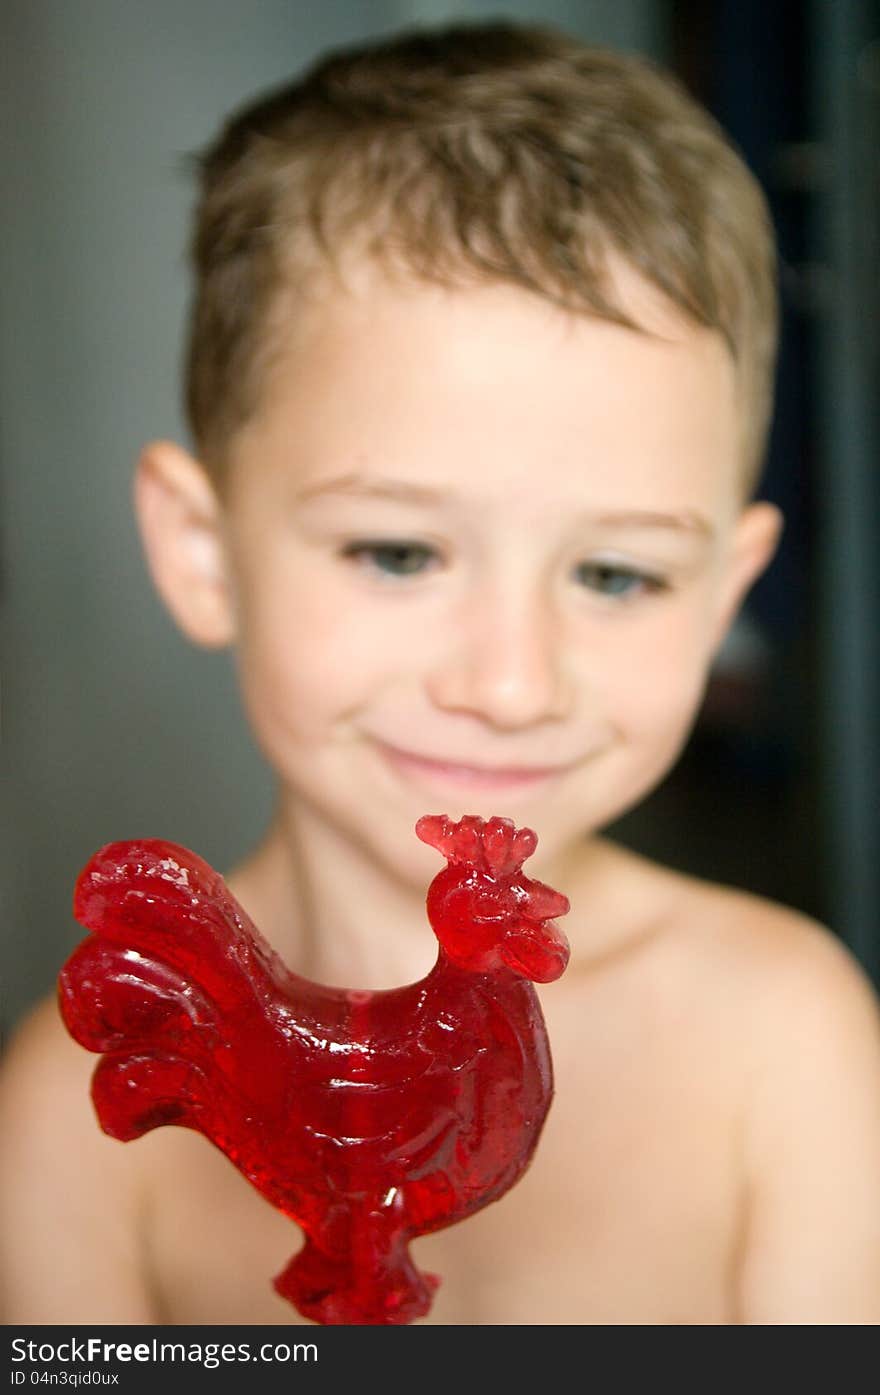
[360,288]
[443,381]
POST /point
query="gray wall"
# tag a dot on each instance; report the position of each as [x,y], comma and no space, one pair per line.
[113,727]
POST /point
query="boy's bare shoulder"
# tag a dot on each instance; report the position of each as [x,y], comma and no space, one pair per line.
[733,941]
[42,1078]
[810,1043]
[757,1026]
[69,1197]
[790,966]
[765,985]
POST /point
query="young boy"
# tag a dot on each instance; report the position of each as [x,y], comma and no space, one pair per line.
[479,377]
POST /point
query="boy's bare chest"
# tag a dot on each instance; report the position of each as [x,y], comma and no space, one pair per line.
[628,1214]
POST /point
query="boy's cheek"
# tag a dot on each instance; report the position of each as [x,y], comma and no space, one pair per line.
[327,644]
[660,690]
[672,652]
[307,679]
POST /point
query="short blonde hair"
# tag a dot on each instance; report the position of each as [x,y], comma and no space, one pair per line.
[497,151]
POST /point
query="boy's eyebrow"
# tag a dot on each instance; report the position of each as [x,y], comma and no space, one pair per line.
[400,490]
[686,521]
[408,492]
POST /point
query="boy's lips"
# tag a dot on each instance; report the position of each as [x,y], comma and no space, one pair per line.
[453,774]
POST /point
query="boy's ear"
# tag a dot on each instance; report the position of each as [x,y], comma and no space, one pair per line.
[755,540]
[181,524]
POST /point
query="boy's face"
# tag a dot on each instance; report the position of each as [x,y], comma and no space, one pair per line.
[480,555]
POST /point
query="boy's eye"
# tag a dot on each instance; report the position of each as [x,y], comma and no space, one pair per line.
[403,559]
[392,558]
[609,579]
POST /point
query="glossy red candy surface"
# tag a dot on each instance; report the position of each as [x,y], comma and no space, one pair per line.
[367,1117]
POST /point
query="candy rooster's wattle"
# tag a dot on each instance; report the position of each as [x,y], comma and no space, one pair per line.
[367,1117]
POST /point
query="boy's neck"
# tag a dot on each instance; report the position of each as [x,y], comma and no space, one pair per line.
[338,917]
[329,910]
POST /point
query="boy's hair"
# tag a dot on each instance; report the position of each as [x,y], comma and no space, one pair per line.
[494,152]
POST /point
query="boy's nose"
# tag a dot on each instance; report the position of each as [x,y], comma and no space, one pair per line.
[505,663]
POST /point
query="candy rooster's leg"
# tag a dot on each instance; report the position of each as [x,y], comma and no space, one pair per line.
[356,1269]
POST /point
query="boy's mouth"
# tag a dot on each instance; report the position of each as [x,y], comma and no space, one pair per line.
[453,774]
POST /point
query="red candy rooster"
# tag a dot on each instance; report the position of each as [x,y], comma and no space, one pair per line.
[367,1117]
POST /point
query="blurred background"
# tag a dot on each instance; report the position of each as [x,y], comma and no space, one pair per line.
[113,727]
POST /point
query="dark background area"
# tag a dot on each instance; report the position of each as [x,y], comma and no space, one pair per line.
[748,788]
[765,797]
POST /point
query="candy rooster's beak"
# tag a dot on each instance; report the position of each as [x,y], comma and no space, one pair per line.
[539,951]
